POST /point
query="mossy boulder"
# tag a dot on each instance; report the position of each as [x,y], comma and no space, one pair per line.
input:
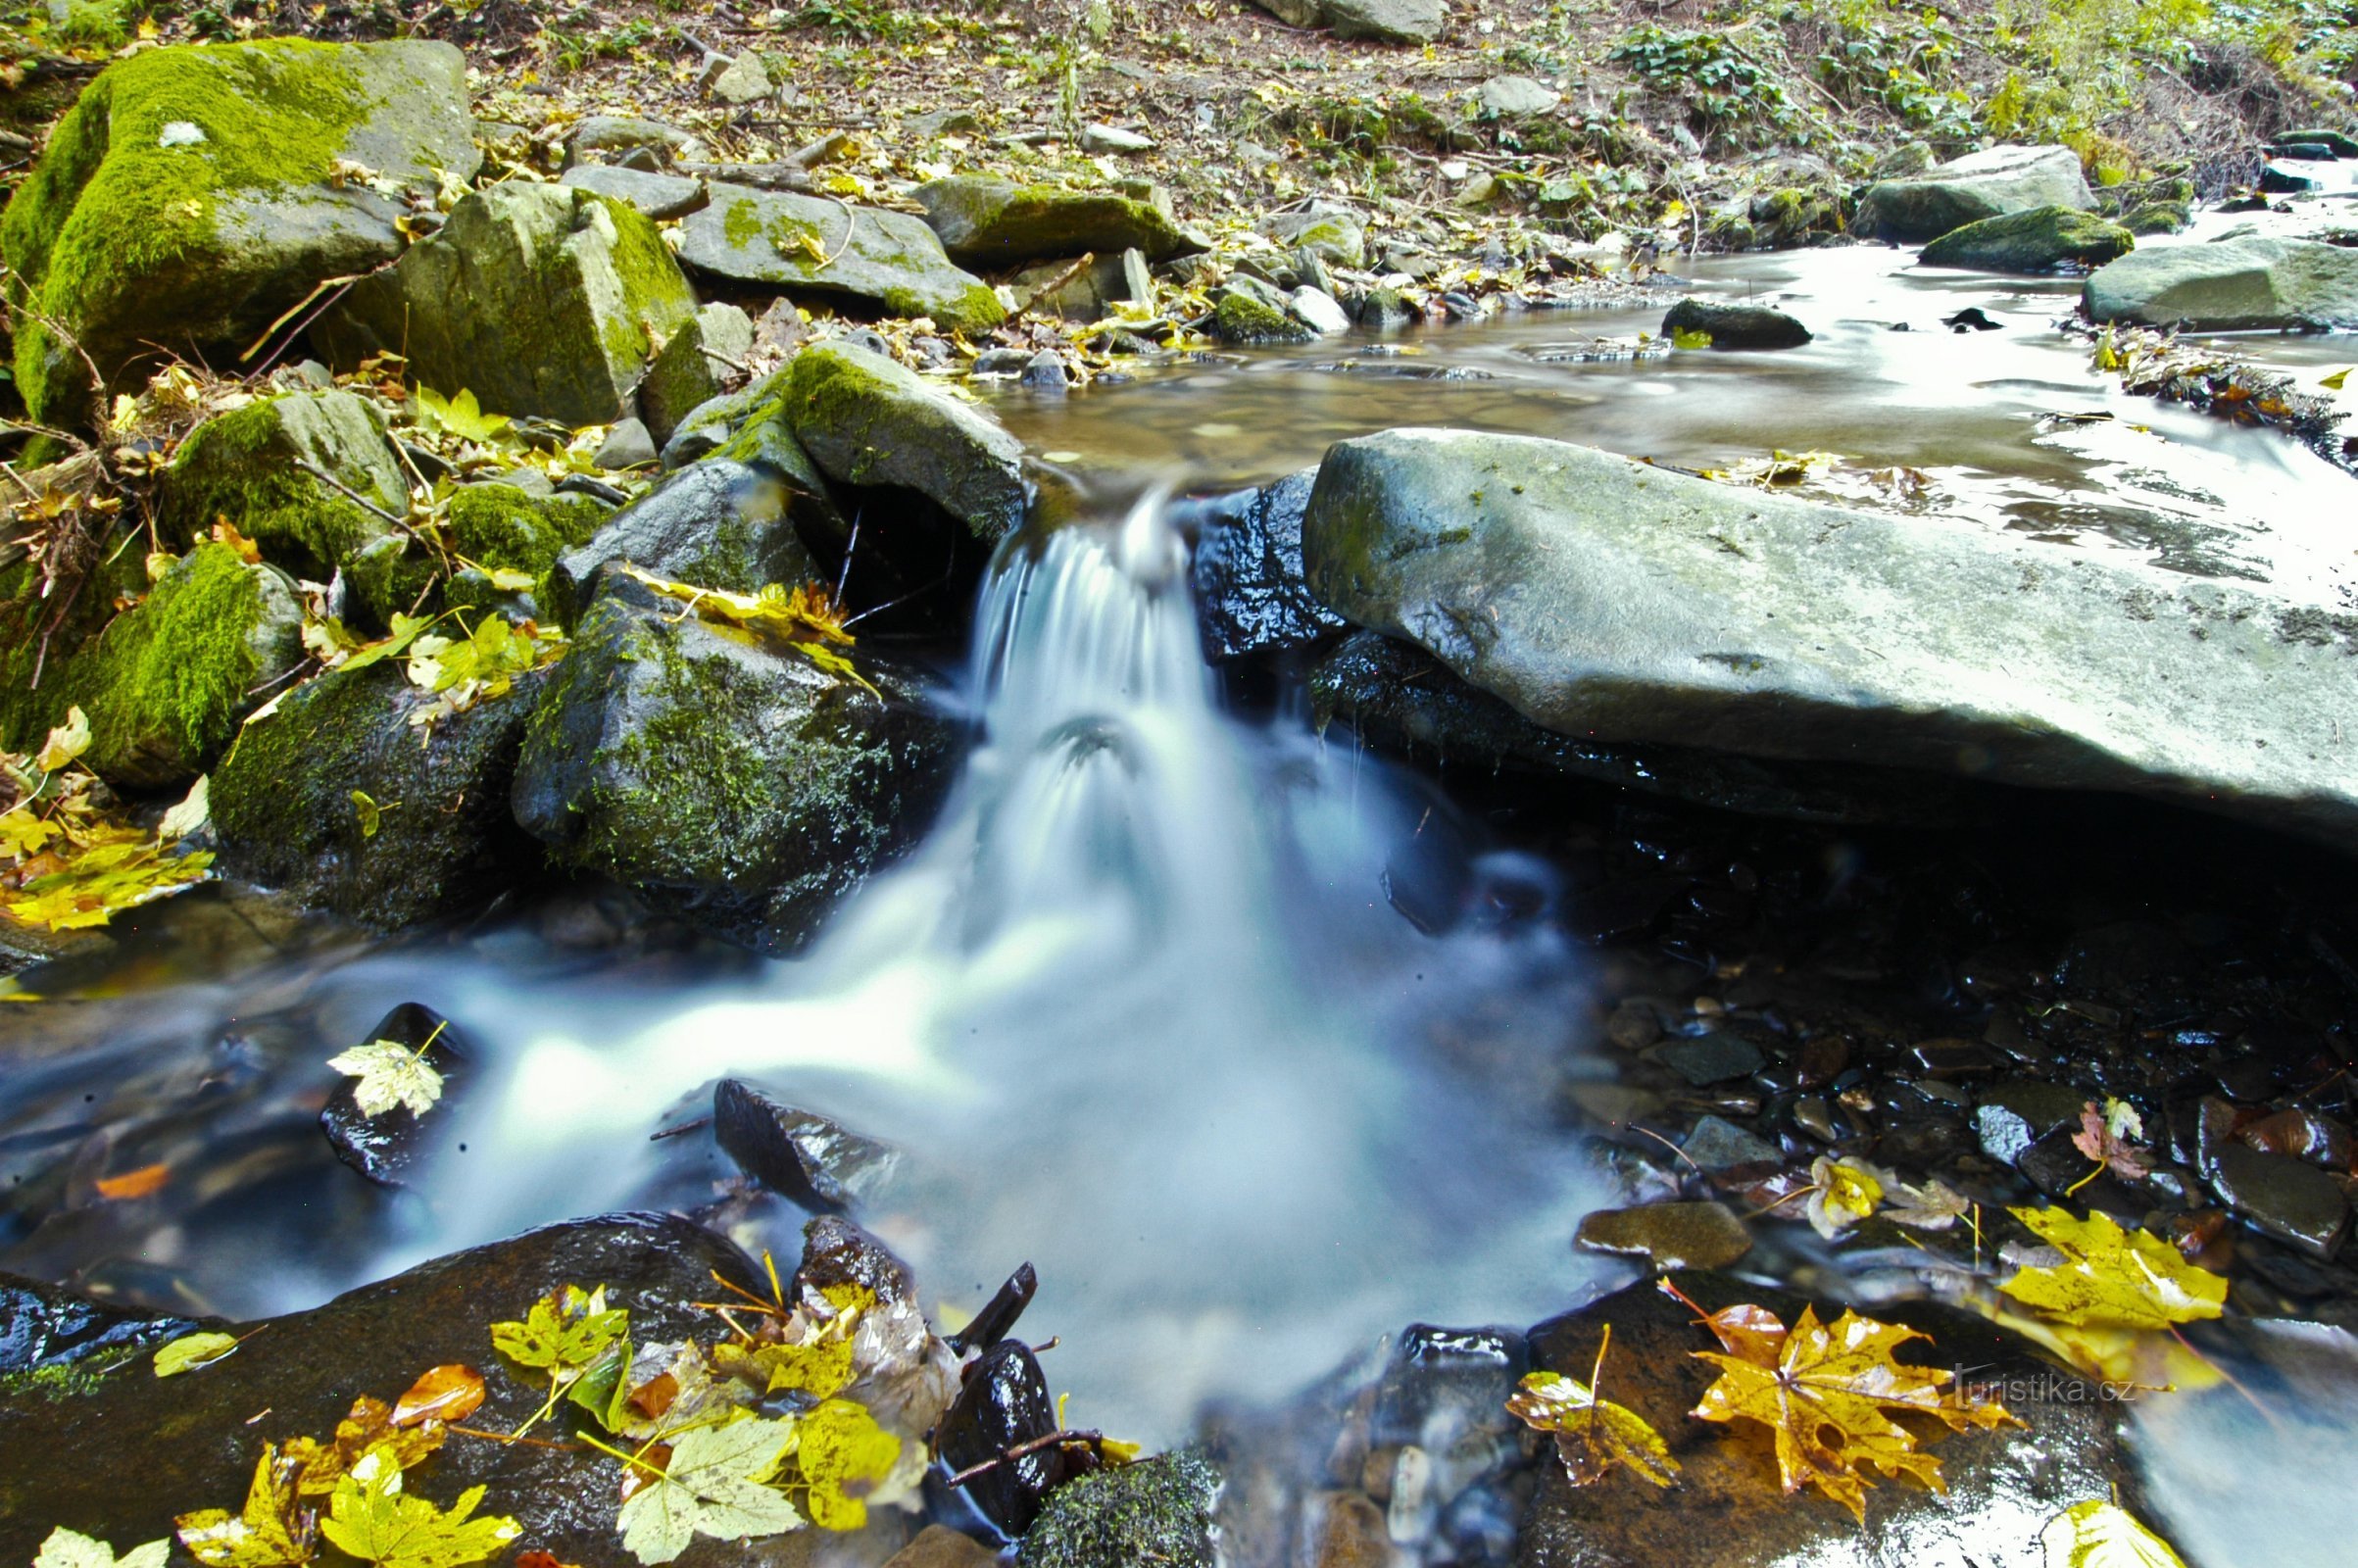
[723,775]
[866,421]
[1242,318]
[1735,326]
[167,682]
[1334,233]
[41,630]
[818,249]
[540,299]
[389,574]
[185,201]
[1989,183]
[502,526]
[997,223]
[2148,219]
[439,840]
[260,467]
[2038,240]
[701,361]
[1155,1511]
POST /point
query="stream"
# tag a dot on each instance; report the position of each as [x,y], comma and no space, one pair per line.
[1137,1011]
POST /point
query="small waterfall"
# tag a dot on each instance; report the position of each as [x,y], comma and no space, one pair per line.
[1134,1010]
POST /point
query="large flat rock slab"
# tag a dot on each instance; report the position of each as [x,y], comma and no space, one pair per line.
[1608,599]
[2244,282]
[813,248]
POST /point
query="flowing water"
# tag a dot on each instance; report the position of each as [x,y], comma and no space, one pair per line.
[1137,1011]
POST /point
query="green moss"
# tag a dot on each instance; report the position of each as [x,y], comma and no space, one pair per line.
[39,637]
[111,214]
[789,236]
[1158,1511]
[391,575]
[501,525]
[166,684]
[742,225]
[251,466]
[70,1381]
[1241,318]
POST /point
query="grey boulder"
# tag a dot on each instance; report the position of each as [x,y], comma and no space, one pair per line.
[1602,598]
[819,249]
[2246,282]
[984,220]
[1965,190]
[868,420]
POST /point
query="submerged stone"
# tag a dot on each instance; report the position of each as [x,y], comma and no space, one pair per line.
[2038,240]
[726,778]
[1604,599]
[436,838]
[817,249]
[1668,1235]
[2287,1197]
[540,299]
[797,1154]
[997,223]
[271,470]
[1965,190]
[128,236]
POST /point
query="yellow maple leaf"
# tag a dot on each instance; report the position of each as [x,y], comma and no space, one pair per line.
[2097,1534]
[65,741]
[1839,1379]
[2111,1278]
[1592,1435]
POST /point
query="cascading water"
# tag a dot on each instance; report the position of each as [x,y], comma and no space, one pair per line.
[1135,1012]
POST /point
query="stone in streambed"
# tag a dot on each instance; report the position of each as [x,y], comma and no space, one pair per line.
[988,221]
[1728,1510]
[540,299]
[260,467]
[1668,1235]
[727,779]
[1735,326]
[2285,1196]
[817,249]
[1711,1059]
[2038,240]
[385,1147]
[1249,596]
[939,1547]
[695,365]
[2010,1116]
[869,421]
[1965,190]
[2336,142]
[1158,1511]
[1602,598]
[234,225]
[1243,316]
[192,1442]
[1332,232]
[610,138]
[2246,282]
[1005,1403]
[1717,1144]
[797,1154]
[437,839]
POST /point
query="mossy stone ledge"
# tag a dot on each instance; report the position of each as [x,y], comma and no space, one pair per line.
[272,470]
[540,299]
[817,249]
[186,201]
[866,421]
[2038,240]
[997,223]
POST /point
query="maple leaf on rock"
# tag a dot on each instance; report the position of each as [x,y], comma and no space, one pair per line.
[1814,1378]
[2103,1534]
[1592,1435]
[715,1485]
[390,1074]
[370,1518]
[71,1549]
[2112,1278]
[2104,1137]
[269,1532]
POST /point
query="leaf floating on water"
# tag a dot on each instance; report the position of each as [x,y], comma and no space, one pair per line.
[390,1074]
[713,1486]
[1933,1206]
[444,1394]
[370,1518]
[1816,1380]
[141,1183]
[267,1533]
[71,1549]
[1847,1191]
[2337,381]
[2103,1534]
[1592,1435]
[2112,1278]
[192,1350]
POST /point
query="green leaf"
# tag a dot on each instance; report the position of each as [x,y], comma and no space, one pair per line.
[406,629]
[1694,337]
[463,417]
[714,1486]
[192,1350]
[372,816]
[566,1330]
[604,1386]
[266,1534]
[390,1074]
[71,1549]
[370,1518]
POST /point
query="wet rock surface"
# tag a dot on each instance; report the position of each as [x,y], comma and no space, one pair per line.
[1735,326]
[1669,1237]
[1604,599]
[387,1146]
[2251,283]
[869,421]
[1249,596]
[799,1154]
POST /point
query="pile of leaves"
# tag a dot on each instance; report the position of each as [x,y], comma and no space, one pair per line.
[69,857]
[2216,380]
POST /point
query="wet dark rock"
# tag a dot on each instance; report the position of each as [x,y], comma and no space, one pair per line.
[385,1147]
[44,1326]
[1972,318]
[1735,326]
[1954,1058]
[1717,1144]
[1711,1059]
[836,1252]
[1442,1383]
[1156,1511]
[2278,182]
[192,1441]
[1728,1511]
[438,839]
[1668,1235]
[797,1154]
[726,779]
[2014,1114]
[999,1316]
[2285,1196]
[2055,1165]
[1400,699]
[1005,1405]
[1250,597]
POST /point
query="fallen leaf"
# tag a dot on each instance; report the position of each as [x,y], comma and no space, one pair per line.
[71,1549]
[714,1486]
[141,1183]
[192,1350]
[266,1534]
[840,1456]
[2104,1137]
[1592,1435]
[2103,1534]
[564,1332]
[102,882]
[1847,1191]
[1933,1206]
[371,815]
[22,833]
[445,1393]
[190,814]
[365,1428]
[370,1518]
[390,1074]
[803,616]
[1816,1380]
[2110,1277]
[64,743]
